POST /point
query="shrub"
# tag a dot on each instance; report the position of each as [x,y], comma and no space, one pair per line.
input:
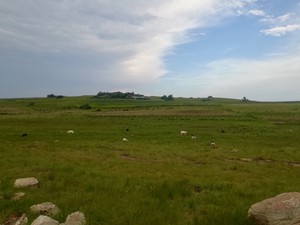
[85,106]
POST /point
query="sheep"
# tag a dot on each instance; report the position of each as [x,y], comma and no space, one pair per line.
[213,144]
[70,132]
[194,137]
[183,132]
[24,135]
[124,139]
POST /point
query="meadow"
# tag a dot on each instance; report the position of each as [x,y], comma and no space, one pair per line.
[157,177]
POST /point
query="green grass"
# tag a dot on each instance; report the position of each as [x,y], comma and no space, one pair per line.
[158,176]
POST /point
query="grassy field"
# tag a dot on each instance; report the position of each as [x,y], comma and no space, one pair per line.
[158,176]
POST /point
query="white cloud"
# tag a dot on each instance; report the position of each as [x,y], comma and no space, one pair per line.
[257,12]
[279,31]
[285,17]
[277,20]
[270,79]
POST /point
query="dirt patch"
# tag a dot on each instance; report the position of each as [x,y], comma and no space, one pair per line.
[260,159]
[126,156]
[295,164]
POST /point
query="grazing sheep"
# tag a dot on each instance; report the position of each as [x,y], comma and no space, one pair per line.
[194,137]
[70,132]
[183,132]
[24,135]
[213,144]
[124,139]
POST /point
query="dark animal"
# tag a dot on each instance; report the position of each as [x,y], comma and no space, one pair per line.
[24,135]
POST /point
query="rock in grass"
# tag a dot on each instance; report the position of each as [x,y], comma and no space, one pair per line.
[22,220]
[26,182]
[44,220]
[45,208]
[16,219]
[18,196]
[283,209]
[76,218]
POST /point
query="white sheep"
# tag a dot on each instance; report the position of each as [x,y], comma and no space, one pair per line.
[194,137]
[70,132]
[183,132]
[124,139]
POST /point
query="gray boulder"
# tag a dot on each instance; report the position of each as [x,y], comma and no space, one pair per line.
[45,208]
[26,182]
[283,209]
[44,220]
[76,218]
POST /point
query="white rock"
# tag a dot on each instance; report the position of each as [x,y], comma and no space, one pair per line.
[18,196]
[45,208]
[22,220]
[26,182]
[44,220]
[76,218]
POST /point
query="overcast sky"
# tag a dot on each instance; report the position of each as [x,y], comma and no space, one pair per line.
[188,48]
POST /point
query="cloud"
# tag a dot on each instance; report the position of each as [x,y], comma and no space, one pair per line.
[110,43]
[279,31]
[270,79]
[273,78]
[257,12]
[281,25]
[277,20]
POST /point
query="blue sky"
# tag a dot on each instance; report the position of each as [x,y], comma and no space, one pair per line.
[188,48]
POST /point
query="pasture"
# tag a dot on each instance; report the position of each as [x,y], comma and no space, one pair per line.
[158,176]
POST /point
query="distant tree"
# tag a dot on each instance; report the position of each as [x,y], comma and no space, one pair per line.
[118,94]
[167,98]
[51,96]
[164,97]
[54,96]
[209,98]
[170,98]
[244,99]
[85,106]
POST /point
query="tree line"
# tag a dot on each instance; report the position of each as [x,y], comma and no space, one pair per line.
[119,95]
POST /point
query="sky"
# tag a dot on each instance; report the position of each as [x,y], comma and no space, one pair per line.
[187,48]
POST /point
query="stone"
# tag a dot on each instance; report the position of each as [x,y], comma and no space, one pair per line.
[283,209]
[18,196]
[26,182]
[45,208]
[16,219]
[22,220]
[76,218]
[44,220]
